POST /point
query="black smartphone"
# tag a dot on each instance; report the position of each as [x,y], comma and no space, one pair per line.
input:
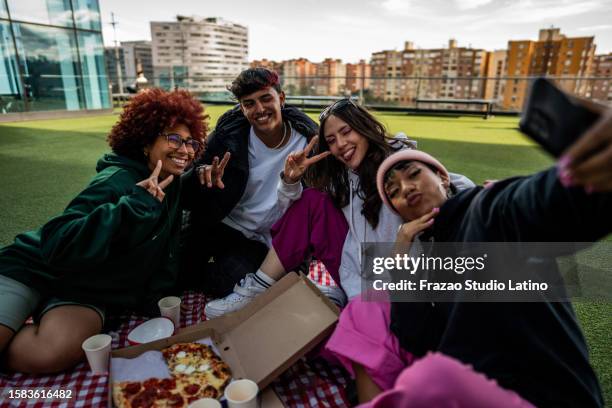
[553,118]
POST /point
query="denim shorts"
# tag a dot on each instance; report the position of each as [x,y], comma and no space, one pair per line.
[18,302]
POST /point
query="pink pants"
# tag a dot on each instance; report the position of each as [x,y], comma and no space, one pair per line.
[440,381]
[311,226]
[362,336]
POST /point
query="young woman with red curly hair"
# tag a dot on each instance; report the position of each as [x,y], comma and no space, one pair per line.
[115,245]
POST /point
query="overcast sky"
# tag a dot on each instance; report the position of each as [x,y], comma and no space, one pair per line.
[353,29]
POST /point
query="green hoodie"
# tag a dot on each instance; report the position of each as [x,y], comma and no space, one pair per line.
[115,245]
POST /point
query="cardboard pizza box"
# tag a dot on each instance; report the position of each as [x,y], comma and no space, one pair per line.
[266,337]
[269,399]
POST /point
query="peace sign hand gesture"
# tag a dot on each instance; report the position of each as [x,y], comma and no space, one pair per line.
[212,174]
[297,163]
[152,186]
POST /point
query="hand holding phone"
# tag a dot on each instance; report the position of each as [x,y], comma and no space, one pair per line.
[588,162]
[553,118]
[580,131]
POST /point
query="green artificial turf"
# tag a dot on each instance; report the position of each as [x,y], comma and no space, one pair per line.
[44,164]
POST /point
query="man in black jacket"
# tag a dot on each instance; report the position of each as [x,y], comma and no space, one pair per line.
[268,143]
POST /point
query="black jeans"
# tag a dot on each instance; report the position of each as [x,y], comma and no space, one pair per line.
[215,259]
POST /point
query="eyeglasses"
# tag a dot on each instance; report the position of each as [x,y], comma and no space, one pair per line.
[175,141]
[334,107]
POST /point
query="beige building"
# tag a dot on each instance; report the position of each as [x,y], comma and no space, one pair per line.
[601,86]
[203,54]
[386,67]
[495,73]
[298,76]
[358,76]
[464,68]
[553,54]
[265,63]
[404,76]
[421,65]
[330,77]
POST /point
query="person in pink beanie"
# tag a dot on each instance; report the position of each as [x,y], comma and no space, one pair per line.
[502,354]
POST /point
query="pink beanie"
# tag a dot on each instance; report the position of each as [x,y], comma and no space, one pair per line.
[403,155]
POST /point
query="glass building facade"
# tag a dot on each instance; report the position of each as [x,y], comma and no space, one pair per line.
[51,56]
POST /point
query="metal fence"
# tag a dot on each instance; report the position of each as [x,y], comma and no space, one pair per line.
[504,94]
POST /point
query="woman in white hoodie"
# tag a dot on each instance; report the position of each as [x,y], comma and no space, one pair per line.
[341,211]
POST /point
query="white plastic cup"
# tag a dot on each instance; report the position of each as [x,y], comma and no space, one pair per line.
[242,394]
[170,307]
[97,349]
[205,403]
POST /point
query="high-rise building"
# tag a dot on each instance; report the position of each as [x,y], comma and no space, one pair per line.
[466,67]
[554,55]
[330,77]
[495,73]
[601,86]
[358,76]
[419,66]
[386,67]
[202,54]
[51,56]
[298,76]
[138,57]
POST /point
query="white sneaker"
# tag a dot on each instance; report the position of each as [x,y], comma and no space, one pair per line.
[244,292]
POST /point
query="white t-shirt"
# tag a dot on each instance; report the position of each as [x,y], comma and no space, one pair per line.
[266,197]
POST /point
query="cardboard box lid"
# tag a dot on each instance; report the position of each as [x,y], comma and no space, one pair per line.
[267,336]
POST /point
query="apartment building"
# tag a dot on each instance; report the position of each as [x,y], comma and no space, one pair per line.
[265,63]
[495,73]
[418,67]
[203,54]
[552,54]
[358,76]
[330,77]
[601,85]
[298,76]
[386,68]
[453,72]
[463,69]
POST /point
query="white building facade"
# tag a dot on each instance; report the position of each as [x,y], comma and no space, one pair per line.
[201,54]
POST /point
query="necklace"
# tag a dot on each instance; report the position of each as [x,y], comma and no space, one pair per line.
[284,136]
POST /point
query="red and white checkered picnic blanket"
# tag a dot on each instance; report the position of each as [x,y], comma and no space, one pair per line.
[309,383]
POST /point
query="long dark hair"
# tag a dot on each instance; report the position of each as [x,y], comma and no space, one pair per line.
[330,175]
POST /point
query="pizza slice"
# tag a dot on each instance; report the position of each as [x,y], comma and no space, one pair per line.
[199,362]
[152,393]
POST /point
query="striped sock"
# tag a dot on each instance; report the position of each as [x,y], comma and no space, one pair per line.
[262,279]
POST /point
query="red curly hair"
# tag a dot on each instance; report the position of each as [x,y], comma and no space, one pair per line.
[149,113]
